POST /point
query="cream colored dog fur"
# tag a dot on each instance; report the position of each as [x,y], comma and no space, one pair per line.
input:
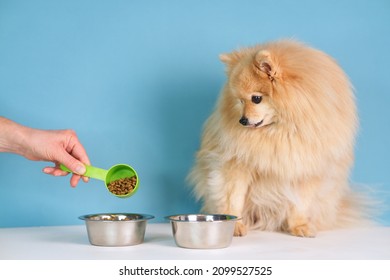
[278,149]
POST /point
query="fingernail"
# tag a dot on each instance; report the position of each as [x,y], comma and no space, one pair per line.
[80,169]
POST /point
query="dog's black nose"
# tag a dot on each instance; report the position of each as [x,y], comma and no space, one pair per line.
[244,121]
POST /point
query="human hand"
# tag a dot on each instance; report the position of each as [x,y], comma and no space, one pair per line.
[58,146]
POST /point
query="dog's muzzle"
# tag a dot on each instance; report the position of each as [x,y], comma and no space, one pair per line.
[244,121]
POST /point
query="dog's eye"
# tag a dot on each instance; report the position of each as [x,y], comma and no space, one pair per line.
[256,99]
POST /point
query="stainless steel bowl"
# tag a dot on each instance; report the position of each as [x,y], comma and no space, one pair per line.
[203,231]
[116,229]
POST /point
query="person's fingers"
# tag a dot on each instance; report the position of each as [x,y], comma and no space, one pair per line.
[77,150]
[54,171]
[74,180]
[67,151]
[80,153]
[70,162]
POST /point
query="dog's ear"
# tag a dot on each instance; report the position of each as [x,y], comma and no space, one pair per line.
[264,63]
[230,59]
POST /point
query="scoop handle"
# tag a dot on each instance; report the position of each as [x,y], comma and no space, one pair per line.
[91,172]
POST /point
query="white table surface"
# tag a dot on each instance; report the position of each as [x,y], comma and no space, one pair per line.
[71,243]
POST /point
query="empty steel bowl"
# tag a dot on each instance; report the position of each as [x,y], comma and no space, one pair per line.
[116,229]
[203,231]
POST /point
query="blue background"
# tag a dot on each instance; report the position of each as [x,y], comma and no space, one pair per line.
[137,79]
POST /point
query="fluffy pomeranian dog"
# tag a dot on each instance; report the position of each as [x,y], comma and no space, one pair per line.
[278,148]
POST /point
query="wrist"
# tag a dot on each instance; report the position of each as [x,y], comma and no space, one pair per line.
[13,137]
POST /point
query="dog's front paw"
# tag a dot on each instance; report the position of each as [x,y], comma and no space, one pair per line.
[240,229]
[305,230]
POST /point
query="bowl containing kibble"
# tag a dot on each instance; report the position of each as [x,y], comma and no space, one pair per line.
[203,231]
[116,229]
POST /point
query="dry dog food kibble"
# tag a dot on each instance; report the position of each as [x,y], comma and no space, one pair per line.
[116,218]
[122,186]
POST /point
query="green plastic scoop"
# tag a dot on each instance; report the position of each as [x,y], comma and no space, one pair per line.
[116,172]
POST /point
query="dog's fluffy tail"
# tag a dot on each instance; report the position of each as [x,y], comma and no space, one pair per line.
[361,207]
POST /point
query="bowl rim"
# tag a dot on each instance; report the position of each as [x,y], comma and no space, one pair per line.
[144,217]
[231,218]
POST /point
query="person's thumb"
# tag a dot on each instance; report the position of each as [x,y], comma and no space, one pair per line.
[73,164]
